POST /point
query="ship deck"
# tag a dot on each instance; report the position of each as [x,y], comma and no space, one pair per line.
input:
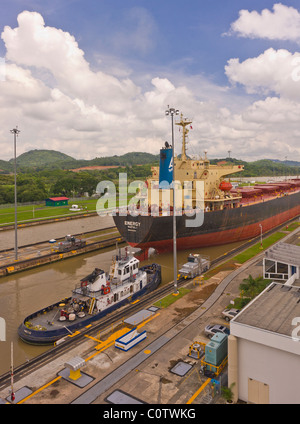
[250,201]
[45,321]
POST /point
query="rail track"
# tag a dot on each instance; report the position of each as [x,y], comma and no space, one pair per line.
[39,243]
[117,316]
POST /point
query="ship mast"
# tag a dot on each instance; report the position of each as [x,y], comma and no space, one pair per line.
[183,123]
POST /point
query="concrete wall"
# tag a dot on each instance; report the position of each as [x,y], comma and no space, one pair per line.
[277,368]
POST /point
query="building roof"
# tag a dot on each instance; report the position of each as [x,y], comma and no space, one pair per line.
[58,198]
[285,253]
[273,310]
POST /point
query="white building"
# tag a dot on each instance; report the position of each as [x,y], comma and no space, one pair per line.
[264,347]
[281,262]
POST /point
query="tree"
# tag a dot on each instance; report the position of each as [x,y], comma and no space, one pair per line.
[228,393]
[251,287]
[7,193]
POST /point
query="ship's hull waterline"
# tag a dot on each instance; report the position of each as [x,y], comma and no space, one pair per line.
[219,227]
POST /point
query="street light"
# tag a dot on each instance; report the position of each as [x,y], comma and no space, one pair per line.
[261,243]
[15,132]
[171,111]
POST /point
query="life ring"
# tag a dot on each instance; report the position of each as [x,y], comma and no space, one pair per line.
[106,290]
[84,283]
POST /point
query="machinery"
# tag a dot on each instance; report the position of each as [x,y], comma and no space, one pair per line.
[196,350]
[69,243]
[196,265]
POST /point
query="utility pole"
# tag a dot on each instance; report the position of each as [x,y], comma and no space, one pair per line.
[15,132]
[12,395]
[171,111]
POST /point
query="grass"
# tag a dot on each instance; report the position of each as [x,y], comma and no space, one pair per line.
[256,249]
[247,254]
[40,211]
[36,212]
[171,298]
[293,226]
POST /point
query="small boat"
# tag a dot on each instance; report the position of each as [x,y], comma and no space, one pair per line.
[93,297]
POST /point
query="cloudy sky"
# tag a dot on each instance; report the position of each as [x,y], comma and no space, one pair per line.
[93,78]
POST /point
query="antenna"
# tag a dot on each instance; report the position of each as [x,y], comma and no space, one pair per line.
[183,123]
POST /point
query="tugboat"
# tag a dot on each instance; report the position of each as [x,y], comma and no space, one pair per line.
[93,297]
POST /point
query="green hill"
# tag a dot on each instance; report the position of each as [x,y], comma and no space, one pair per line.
[37,158]
[133,158]
[40,160]
[6,166]
[263,167]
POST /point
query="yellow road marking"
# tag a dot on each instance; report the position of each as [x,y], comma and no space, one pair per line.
[149,319]
[100,350]
[93,338]
[102,346]
[198,391]
[112,338]
[40,389]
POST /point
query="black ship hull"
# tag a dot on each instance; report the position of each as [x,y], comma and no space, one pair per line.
[219,227]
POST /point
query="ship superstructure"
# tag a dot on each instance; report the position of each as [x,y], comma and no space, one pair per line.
[215,190]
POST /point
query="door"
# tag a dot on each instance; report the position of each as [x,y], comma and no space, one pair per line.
[258,392]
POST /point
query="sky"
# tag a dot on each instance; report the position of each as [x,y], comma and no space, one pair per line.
[93,78]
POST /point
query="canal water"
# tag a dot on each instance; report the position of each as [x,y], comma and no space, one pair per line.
[28,291]
[44,232]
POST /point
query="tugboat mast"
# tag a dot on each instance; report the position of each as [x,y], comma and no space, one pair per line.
[183,123]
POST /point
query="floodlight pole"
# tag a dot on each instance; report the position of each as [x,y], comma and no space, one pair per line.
[15,132]
[172,112]
[261,233]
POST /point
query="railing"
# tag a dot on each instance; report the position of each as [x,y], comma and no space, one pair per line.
[214,368]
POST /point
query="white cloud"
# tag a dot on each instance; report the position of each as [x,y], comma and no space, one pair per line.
[60,103]
[281,24]
[273,71]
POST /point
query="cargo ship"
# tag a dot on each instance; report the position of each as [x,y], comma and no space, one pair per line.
[93,297]
[225,214]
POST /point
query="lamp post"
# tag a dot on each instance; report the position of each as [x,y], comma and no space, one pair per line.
[171,111]
[15,132]
[261,243]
